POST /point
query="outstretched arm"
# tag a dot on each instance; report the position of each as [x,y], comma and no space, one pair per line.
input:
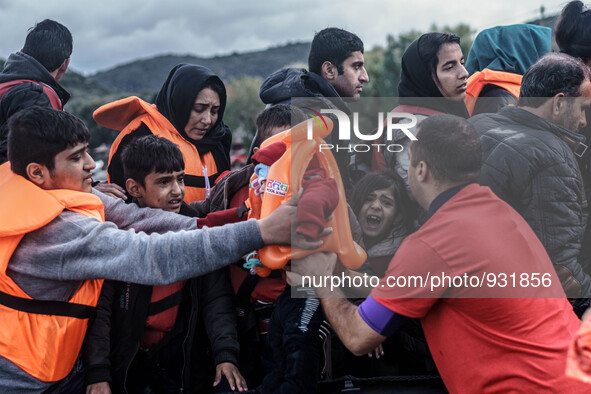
[355,331]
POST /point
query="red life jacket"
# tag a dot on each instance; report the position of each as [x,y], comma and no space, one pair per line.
[378,162]
[54,99]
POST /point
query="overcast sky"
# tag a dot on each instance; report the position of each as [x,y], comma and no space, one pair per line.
[111,32]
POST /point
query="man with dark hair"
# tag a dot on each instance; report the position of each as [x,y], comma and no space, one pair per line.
[529,160]
[56,242]
[336,72]
[31,76]
[513,339]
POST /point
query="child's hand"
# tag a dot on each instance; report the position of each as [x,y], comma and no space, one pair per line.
[235,379]
[379,352]
[111,189]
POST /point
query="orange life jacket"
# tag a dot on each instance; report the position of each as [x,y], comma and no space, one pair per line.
[43,338]
[128,114]
[502,79]
[285,179]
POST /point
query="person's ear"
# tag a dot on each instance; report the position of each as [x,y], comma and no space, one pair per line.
[59,72]
[255,149]
[38,174]
[65,65]
[133,188]
[558,104]
[329,71]
[422,171]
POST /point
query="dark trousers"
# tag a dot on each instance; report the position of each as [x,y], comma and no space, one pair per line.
[297,331]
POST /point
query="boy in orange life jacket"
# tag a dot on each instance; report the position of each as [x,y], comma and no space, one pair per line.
[155,343]
[58,236]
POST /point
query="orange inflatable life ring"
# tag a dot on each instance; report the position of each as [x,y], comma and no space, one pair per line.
[285,179]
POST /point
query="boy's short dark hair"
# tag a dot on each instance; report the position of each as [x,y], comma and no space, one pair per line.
[280,115]
[50,43]
[450,146]
[37,134]
[333,45]
[148,154]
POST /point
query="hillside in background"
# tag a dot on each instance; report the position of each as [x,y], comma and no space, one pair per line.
[242,74]
[149,74]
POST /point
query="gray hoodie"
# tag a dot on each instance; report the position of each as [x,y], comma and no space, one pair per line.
[134,244]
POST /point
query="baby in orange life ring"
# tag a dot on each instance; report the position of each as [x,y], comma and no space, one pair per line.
[286,162]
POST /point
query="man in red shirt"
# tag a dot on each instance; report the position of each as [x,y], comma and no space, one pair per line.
[494,313]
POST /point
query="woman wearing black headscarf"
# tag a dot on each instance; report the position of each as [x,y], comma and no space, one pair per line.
[433,80]
[189,110]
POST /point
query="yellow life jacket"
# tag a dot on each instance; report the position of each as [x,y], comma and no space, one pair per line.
[127,114]
[285,179]
[43,338]
[502,79]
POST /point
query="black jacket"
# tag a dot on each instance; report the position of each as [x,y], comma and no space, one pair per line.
[22,66]
[207,311]
[314,92]
[282,85]
[529,162]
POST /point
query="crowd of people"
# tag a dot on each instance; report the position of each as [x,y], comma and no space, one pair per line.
[179,274]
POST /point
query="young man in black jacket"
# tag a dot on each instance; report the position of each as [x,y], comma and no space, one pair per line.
[336,74]
[32,75]
[165,338]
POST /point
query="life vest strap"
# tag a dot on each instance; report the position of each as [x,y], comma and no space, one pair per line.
[166,303]
[46,307]
[199,181]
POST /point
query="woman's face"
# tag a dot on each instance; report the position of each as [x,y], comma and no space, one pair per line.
[376,215]
[451,75]
[204,114]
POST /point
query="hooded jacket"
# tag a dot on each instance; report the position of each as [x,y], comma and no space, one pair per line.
[282,85]
[313,93]
[512,49]
[529,162]
[507,51]
[20,66]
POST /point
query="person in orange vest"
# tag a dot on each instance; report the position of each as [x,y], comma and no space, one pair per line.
[496,62]
[189,111]
[32,75]
[58,237]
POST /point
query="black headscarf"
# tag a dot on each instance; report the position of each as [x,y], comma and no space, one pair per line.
[176,99]
[417,86]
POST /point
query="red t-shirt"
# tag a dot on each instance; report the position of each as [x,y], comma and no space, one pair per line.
[512,344]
